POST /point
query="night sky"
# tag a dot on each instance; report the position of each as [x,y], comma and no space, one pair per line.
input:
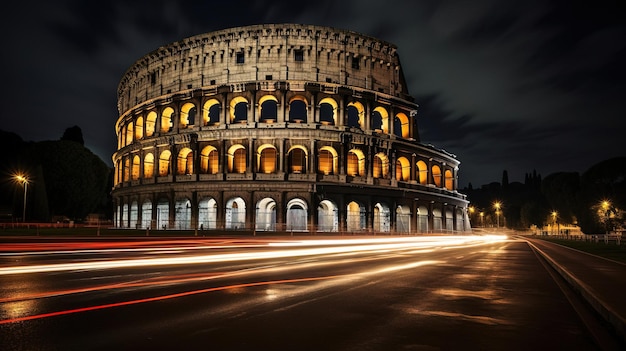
[504,85]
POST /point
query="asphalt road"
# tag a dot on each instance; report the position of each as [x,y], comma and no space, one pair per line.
[415,294]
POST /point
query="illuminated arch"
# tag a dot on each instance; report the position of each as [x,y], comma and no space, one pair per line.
[356,163]
[207,213]
[327,162]
[129,134]
[380,168]
[403,219]
[401,125]
[166,119]
[381,112]
[266,214]
[422,172]
[403,169]
[148,165]
[238,109]
[164,163]
[237,159]
[209,160]
[187,115]
[184,164]
[211,112]
[139,128]
[126,169]
[297,159]
[182,216]
[268,108]
[328,216]
[163,214]
[298,106]
[436,171]
[297,215]
[355,217]
[328,111]
[422,219]
[134,174]
[151,123]
[146,214]
[382,218]
[235,216]
[449,179]
[266,158]
[355,115]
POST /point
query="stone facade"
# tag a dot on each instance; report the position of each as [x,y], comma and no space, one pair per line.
[278,128]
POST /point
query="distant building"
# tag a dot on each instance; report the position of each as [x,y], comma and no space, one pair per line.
[278,127]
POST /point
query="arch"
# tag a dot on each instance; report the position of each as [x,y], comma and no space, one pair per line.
[403,169]
[146,214]
[436,172]
[422,219]
[449,221]
[211,112]
[449,179]
[355,115]
[380,168]
[166,119]
[184,164]
[298,106]
[266,158]
[382,218]
[151,123]
[266,214]
[163,214]
[327,216]
[129,134]
[124,216]
[356,163]
[182,217]
[380,119]
[237,159]
[187,115]
[209,160]
[133,215]
[235,216]
[134,173]
[268,109]
[327,160]
[403,219]
[164,163]
[139,128]
[401,125]
[238,109]
[207,213]
[422,172]
[355,217]
[437,220]
[297,159]
[148,165]
[126,168]
[297,215]
[328,111]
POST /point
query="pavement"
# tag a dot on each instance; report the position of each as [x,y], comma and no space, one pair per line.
[600,281]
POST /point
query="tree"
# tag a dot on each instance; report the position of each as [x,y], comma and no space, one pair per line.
[74,134]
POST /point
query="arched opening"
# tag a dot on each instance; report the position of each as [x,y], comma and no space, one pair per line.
[436,171]
[237,157]
[126,169]
[449,221]
[146,214]
[382,218]
[134,173]
[185,161]
[124,223]
[151,123]
[164,163]
[266,158]
[207,214]
[355,217]
[422,172]
[183,214]
[163,214]
[380,168]
[356,163]
[437,220]
[403,219]
[380,119]
[327,160]
[148,165]
[268,109]
[297,160]
[134,214]
[129,134]
[209,160]
[422,219]
[328,111]
[166,119]
[449,179]
[298,110]
[211,112]
[401,125]
[266,214]
[139,128]
[235,216]
[238,110]
[297,214]
[355,115]
[187,115]
[327,216]
[403,169]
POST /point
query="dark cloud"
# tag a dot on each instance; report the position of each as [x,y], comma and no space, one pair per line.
[502,85]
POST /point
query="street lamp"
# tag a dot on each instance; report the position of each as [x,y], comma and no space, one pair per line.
[606,207]
[497,205]
[482,219]
[24,180]
[554,215]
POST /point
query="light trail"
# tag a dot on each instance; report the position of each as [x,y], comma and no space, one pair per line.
[349,246]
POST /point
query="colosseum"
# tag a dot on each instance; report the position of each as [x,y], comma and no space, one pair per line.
[278,128]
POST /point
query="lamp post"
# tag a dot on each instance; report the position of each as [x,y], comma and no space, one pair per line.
[606,206]
[497,207]
[554,214]
[482,219]
[24,180]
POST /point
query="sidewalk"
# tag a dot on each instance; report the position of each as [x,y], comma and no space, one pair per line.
[600,281]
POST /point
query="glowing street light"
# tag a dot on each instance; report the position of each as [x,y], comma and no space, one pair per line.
[554,215]
[497,205]
[24,180]
[482,219]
